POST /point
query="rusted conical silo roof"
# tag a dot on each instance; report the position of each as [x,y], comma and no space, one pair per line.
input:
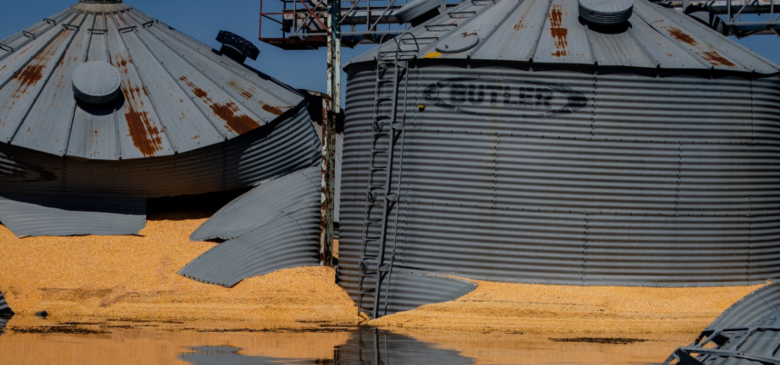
[552,32]
[176,94]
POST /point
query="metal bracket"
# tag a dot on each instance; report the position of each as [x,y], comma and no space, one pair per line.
[97,31]
[148,24]
[128,29]
[28,34]
[6,48]
[71,27]
[50,21]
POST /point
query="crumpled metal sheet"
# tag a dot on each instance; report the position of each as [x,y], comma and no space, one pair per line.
[274,226]
[262,205]
[38,215]
[405,290]
[747,333]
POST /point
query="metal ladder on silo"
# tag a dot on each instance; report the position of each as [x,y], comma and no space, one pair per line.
[379,194]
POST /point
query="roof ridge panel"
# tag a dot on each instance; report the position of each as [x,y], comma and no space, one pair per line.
[560,42]
[48,124]
[185,125]
[263,103]
[21,92]
[97,134]
[294,96]
[140,132]
[693,43]
[226,115]
[550,32]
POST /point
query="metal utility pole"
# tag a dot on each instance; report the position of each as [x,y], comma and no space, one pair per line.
[331,106]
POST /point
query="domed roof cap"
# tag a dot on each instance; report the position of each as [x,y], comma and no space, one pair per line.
[552,32]
[96,82]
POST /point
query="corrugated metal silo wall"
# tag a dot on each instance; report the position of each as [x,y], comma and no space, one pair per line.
[286,145]
[589,179]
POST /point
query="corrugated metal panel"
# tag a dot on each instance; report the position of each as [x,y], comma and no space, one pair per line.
[177,94]
[746,333]
[278,148]
[403,290]
[272,227]
[564,177]
[289,240]
[71,216]
[374,346]
[262,205]
[549,32]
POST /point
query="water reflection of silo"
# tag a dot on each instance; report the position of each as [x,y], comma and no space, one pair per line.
[532,145]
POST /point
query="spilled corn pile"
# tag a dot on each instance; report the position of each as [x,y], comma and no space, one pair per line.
[135,277]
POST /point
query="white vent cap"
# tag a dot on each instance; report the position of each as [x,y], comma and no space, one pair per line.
[96,82]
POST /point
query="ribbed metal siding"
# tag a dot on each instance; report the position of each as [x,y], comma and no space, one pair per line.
[658,181]
[283,146]
[272,227]
[71,216]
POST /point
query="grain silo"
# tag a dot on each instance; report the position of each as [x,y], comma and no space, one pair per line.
[102,107]
[558,142]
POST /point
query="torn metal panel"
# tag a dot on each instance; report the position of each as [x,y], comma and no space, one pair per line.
[290,240]
[403,289]
[746,333]
[71,216]
[262,205]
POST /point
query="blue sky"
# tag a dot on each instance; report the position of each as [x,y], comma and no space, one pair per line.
[204,19]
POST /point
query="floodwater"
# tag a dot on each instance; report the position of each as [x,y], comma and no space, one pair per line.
[90,341]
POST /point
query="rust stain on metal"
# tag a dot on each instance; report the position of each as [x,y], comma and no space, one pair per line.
[229,111]
[141,129]
[520,25]
[717,59]
[272,110]
[558,32]
[145,134]
[29,76]
[466,34]
[681,36]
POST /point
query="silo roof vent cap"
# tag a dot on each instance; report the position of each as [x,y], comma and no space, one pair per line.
[237,47]
[96,82]
[606,12]
[418,11]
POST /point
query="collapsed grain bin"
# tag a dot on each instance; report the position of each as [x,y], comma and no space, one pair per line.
[102,107]
[519,141]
